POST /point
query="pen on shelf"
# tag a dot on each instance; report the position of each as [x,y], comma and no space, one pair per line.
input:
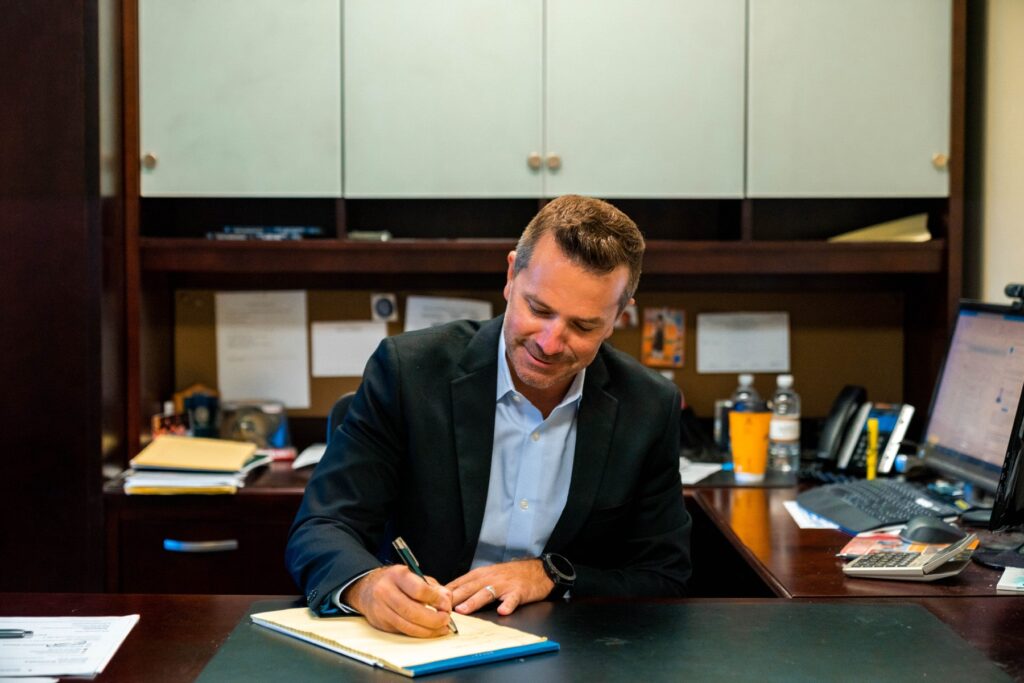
[14,633]
[405,553]
[872,460]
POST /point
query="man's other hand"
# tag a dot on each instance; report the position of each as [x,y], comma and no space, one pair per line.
[396,600]
[513,583]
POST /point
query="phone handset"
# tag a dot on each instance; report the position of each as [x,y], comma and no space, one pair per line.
[839,421]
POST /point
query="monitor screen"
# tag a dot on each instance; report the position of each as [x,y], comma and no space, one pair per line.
[975,400]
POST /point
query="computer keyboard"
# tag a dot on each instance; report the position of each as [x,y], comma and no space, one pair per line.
[858,506]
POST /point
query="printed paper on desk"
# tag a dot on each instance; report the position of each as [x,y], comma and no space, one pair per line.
[262,345]
[805,519]
[341,349]
[62,646]
[427,311]
[742,342]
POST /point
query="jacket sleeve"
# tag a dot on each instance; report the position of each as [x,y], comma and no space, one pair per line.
[645,551]
[341,522]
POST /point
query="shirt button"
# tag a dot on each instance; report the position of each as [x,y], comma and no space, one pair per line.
[515,397]
[535,436]
[524,504]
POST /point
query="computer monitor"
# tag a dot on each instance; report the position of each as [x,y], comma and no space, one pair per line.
[976,398]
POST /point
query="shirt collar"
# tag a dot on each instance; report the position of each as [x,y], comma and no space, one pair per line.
[505,386]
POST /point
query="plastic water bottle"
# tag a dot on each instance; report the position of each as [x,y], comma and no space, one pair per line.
[745,397]
[784,432]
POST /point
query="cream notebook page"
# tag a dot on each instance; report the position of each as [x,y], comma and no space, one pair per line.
[354,637]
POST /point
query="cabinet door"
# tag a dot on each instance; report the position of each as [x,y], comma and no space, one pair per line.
[848,99]
[645,97]
[240,97]
[442,98]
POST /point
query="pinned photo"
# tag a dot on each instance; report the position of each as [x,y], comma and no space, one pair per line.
[662,345]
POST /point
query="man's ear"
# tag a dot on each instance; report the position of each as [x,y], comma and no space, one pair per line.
[510,274]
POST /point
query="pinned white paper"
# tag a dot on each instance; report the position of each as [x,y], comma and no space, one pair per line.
[262,345]
[426,311]
[742,342]
[341,349]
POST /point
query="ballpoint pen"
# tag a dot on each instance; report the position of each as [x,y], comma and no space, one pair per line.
[405,553]
[14,633]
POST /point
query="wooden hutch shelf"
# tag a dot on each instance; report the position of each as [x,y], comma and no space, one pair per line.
[409,256]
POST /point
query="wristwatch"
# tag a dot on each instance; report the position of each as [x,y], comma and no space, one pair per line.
[559,570]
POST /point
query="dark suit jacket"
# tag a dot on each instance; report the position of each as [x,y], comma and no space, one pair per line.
[415,450]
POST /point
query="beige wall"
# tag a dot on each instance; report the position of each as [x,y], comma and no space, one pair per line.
[1001,248]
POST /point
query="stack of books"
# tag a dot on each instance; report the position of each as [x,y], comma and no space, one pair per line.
[191,465]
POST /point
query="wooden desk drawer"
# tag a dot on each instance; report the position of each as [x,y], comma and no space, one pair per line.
[201,556]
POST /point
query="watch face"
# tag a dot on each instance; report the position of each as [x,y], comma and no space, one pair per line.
[560,567]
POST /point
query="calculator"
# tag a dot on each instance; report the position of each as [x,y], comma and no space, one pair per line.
[927,565]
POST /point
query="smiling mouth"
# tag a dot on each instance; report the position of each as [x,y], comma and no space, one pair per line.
[542,359]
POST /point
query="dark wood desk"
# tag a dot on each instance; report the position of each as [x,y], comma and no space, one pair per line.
[178,635]
[797,563]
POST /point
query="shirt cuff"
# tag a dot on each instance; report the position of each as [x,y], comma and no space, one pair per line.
[346,609]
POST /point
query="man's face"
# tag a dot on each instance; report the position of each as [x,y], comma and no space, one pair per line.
[558,314]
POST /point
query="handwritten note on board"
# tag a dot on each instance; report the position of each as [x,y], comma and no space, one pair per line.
[262,346]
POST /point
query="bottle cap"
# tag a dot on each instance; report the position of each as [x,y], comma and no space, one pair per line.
[784,381]
[746,379]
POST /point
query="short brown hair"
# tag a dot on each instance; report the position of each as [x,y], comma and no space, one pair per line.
[592,233]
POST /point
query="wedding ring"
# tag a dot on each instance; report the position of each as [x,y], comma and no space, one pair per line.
[494,593]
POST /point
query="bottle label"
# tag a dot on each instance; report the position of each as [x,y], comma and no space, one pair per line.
[784,428]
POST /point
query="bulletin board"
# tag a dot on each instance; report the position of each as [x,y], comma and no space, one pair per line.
[860,342]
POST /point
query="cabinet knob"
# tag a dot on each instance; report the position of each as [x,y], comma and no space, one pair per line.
[554,162]
[533,161]
[149,161]
[940,160]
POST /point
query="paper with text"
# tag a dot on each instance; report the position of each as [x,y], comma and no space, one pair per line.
[262,346]
[341,349]
[427,311]
[62,646]
[742,342]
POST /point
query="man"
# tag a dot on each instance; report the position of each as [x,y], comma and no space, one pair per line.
[520,458]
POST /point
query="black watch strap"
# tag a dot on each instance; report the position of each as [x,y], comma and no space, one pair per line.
[559,569]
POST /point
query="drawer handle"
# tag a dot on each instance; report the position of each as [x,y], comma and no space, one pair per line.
[200,546]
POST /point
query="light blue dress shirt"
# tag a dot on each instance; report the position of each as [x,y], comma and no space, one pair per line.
[531,466]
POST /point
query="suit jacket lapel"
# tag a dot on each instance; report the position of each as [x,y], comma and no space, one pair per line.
[594,425]
[473,420]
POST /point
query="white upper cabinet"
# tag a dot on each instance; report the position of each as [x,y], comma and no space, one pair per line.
[849,99]
[240,98]
[442,98]
[477,98]
[645,98]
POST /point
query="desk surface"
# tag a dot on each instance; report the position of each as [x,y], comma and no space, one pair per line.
[177,636]
[801,563]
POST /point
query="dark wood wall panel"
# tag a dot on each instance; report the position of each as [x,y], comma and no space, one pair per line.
[51,279]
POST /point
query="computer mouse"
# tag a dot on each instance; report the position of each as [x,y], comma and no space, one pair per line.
[926,529]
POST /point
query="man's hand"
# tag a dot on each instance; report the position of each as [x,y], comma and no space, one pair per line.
[396,600]
[514,583]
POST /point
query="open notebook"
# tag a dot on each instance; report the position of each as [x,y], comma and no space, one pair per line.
[477,642]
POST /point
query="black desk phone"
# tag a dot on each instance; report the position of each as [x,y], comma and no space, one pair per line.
[844,436]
